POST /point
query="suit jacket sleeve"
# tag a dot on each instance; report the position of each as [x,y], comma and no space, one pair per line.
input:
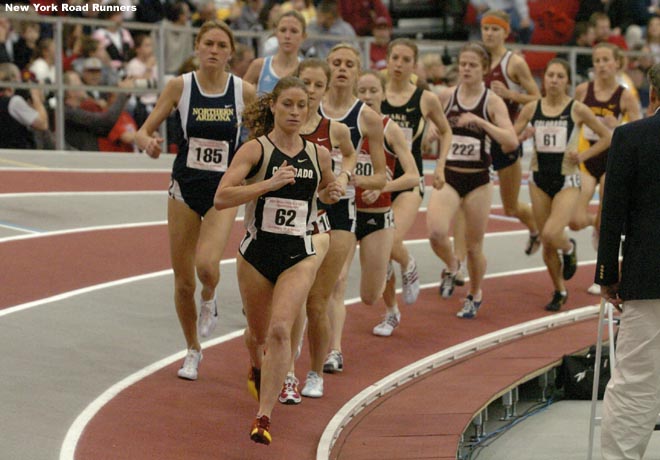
[619,187]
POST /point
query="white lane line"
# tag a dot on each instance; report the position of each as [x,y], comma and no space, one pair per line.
[19,229]
[82,193]
[75,431]
[72,437]
[83,230]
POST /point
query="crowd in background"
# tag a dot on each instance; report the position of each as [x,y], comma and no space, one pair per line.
[98,56]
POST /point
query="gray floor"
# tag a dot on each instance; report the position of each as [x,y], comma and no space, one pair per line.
[62,355]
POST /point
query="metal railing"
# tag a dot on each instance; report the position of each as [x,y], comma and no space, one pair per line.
[159,31]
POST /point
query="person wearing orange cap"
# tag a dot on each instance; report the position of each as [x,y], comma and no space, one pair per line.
[520,22]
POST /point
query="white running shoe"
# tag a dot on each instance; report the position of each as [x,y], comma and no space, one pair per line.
[290,393]
[390,322]
[188,370]
[410,282]
[208,318]
[334,362]
[594,289]
[313,386]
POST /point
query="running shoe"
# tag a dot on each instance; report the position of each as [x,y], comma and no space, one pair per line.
[410,282]
[533,244]
[254,382]
[208,318]
[334,362]
[470,308]
[594,289]
[313,385]
[558,299]
[447,284]
[461,274]
[388,325]
[570,262]
[190,364]
[260,431]
[290,393]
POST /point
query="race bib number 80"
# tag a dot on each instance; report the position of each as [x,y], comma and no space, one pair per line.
[207,154]
[285,216]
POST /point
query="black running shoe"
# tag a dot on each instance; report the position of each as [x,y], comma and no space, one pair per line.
[447,283]
[558,299]
[533,244]
[570,262]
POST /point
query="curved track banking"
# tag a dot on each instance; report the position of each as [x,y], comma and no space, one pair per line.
[166,418]
[154,415]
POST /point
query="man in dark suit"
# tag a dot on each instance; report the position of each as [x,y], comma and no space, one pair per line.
[631,206]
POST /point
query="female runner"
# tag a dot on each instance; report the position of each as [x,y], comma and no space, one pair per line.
[612,103]
[315,73]
[290,34]
[462,180]
[375,220]
[410,107]
[341,105]
[555,182]
[210,104]
[277,175]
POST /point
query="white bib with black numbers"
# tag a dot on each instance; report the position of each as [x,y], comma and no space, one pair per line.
[464,148]
[207,154]
[550,139]
[284,216]
[364,166]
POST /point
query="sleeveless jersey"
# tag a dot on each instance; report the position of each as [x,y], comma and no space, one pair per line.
[364,167]
[601,109]
[499,73]
[470,145]
[553,136]
[320,135]
[352,120]
[209,131]
[409,117]
[267,77]
[288,210]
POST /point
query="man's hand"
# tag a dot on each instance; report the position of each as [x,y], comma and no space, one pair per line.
[611,294]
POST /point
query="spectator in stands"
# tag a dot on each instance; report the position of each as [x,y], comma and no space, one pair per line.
[304,7]
[43,67]
[82,127]
[92,75]
[178,44]
[116,40]
[241,59]
[520,22]
[18,115]
[150,11]
[630,205]
[25,47]
[382,33]
[144,69]
[72,39]
[603,31]
[362,14]
[90,47]
[7,40]
[328,22]
[248,21]
[206,12]
[584,36]
[653,37]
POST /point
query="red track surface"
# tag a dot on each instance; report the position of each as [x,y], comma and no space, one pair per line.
[165,418]
[71,181]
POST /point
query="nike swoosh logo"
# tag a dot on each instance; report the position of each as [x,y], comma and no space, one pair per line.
[322,139]
[302,160]
[410,109]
